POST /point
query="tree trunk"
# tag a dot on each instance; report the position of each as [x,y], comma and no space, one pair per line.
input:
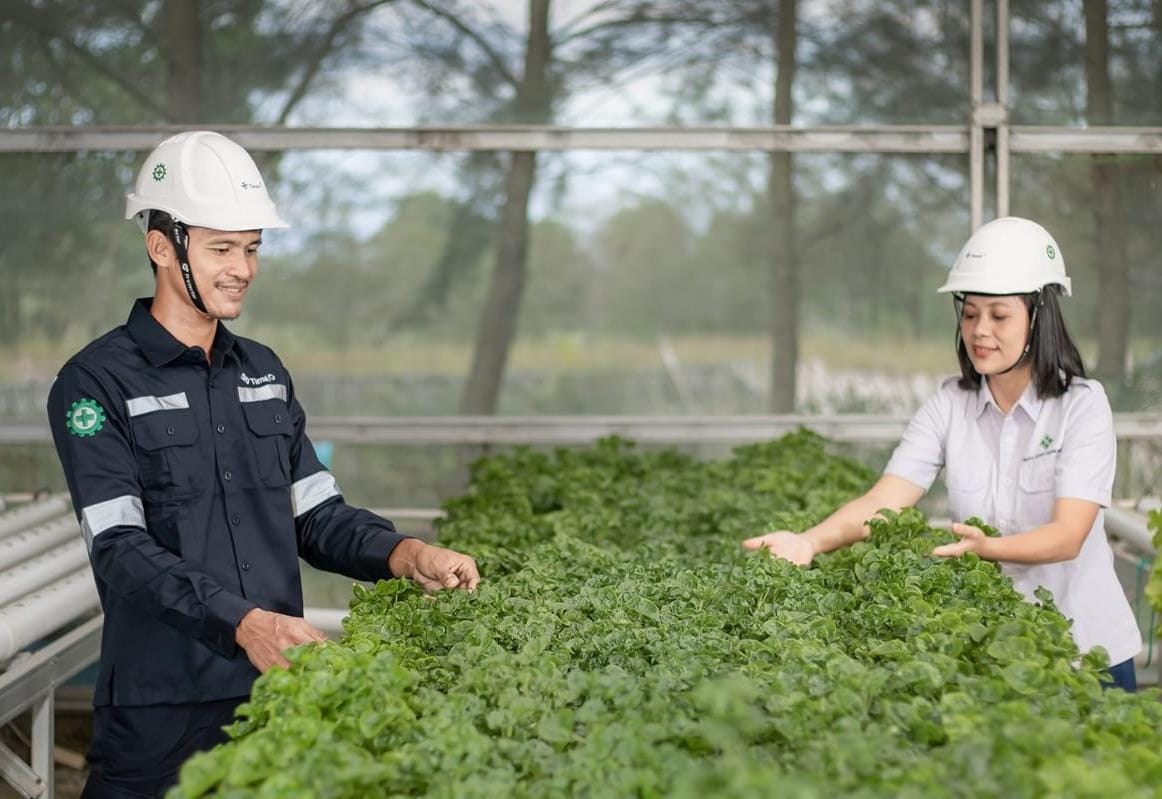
[182,30]
[502,308]
[11,316]
[1113,322]
[784,258]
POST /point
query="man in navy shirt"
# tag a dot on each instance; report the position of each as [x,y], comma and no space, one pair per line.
[195,484]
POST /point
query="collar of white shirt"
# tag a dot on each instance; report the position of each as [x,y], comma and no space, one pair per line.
[1029,401]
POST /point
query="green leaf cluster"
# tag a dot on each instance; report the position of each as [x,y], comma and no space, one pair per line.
[623,644]
[1154,585]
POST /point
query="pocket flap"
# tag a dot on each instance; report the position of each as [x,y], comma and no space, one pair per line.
[162,429]
[268,418]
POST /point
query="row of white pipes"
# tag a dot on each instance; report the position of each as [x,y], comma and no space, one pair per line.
[45,580]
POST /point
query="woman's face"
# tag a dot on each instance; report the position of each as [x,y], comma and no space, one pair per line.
[994,330]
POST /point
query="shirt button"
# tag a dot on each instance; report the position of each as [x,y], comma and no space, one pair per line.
[234,519]
[221,428]
[277,419]
[226,475]
[169,430]
[245,565]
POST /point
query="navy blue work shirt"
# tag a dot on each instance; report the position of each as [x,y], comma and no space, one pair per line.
[197,490]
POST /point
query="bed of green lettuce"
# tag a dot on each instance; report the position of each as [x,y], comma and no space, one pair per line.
[623,645]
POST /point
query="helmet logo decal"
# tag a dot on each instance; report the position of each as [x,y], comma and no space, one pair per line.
[1052,253]
[159,173]
[246,185]
[85,418]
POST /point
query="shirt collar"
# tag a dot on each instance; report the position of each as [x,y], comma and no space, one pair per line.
[158,344]
[225,342]
[1029,402]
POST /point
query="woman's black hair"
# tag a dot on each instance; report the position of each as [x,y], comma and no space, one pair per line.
[1053,355]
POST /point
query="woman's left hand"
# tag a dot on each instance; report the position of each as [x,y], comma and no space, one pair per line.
[972,539]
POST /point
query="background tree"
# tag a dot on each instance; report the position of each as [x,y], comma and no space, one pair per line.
[523,76]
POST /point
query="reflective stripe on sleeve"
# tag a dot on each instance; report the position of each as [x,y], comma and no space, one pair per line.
[312,491]
[141,405]
[121,511]
[260,393]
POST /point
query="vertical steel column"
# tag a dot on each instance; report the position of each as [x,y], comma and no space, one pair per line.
[1003,102]
[976,131]
[44,741]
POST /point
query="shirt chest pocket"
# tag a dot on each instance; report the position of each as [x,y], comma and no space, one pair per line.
[270,438]
[170,465]
[1037,476]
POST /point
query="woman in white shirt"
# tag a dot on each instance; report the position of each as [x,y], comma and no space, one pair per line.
[1026,443]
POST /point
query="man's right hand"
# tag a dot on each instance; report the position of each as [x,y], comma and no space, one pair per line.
[794,547]
[266,635]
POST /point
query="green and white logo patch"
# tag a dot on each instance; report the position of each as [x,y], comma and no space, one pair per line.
[86,417]
[1052,253]
[1046,441]
[159,173]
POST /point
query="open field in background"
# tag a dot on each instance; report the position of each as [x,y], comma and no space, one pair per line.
[564,351]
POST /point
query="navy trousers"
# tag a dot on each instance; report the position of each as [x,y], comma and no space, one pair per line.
[1123,676]
[137,750]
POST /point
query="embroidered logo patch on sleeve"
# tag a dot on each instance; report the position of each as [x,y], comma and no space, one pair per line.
[85,418]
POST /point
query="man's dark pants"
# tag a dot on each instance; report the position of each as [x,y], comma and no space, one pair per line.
[137,750]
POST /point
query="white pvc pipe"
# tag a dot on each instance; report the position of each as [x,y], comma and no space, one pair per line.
[39,614]
[1131,528]
[32,514]
[329,620]
[37,572]
[20,547]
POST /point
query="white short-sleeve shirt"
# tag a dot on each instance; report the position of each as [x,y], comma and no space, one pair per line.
[1010,469]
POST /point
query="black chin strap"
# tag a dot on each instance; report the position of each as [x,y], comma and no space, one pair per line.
[180,238]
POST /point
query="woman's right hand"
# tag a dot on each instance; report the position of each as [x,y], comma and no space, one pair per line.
[790,546]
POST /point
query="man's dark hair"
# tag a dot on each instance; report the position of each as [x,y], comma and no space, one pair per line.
[1053,355]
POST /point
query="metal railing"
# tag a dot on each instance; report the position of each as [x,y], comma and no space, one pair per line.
[846,428]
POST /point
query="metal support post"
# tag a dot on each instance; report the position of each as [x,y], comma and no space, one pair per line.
[1003,103]
[44,740]
[976,132]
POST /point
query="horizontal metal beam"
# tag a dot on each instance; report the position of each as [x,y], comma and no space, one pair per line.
[43,670]
[775,138]
[656,429]
[586,429]
[853,428]
[840,138]
[1027,139]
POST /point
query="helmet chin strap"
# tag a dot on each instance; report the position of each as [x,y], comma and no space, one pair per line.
[958,302]
[180,237]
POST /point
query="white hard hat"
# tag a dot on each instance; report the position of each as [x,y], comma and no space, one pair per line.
[203,179]
[1009,255]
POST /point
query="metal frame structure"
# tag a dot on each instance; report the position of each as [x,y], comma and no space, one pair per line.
[31,685]
[987,129]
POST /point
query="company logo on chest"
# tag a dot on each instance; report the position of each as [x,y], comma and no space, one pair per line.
[257,381]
